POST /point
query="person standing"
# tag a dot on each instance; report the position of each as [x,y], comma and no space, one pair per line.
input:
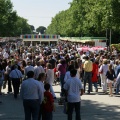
[87,66]
[38,69]
[50,78]
[103,70]
[32,98]
[95,74]
[74,89]
[110,78]
[16,76]
[8,70]
[28,68]
[48,103]
[61,67]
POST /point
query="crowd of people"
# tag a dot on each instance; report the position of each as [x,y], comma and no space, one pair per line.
[33,70]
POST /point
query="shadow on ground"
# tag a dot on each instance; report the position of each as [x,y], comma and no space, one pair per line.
[12,109]
[91,110]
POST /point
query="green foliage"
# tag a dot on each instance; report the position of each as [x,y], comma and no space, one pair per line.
[87,18]
[116,46]
[10,23]
[22,27]
[41,29]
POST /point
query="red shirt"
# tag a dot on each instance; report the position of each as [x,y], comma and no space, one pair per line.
[48,102]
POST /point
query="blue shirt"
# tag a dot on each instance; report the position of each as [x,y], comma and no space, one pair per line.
[15,74]
[31,89]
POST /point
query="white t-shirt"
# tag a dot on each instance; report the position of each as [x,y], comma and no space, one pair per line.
[73,86]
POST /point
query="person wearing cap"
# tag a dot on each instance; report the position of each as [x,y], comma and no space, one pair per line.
[87,66]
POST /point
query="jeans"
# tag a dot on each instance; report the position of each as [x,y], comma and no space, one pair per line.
[62,83]
[71,106]
[31,108]
[117,88]
[9,85]
[48,116]
[95,85]
[16,85]
[88,78]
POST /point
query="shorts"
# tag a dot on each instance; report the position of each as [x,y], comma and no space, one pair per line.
[109,81]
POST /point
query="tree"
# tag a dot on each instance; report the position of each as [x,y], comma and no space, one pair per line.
[22,27]
[10,23]
[8,17]
[88,18]
[32,28]
[41,29]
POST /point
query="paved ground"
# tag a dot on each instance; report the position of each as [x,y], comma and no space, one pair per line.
[93,107]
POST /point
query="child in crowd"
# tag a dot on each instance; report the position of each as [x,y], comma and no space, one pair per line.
[48,103]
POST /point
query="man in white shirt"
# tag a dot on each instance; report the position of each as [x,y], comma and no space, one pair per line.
[28,68]
[5,55]
[32,98]
[74,89]
[37,70]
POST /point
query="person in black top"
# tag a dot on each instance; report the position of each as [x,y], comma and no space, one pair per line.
[110,78]
[52,62]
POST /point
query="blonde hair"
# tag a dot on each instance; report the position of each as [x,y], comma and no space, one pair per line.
[110,68]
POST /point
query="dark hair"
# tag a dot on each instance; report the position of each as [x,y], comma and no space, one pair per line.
[41,75]
[86,57]
[76,65]
[30,74]
[47,86]
[73,72]
[23,63]
[70,67]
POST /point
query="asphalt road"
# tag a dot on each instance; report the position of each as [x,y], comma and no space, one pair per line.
[96,106]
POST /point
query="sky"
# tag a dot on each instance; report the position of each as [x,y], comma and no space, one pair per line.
[39,12]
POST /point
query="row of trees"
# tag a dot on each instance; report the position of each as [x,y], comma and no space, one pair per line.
[13,25]
[10,23]
[88,18]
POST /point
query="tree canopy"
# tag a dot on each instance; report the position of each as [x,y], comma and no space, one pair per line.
[88,18]
[41,29]
[10,23]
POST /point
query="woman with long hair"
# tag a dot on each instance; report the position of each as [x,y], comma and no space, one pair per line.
[110,78]
[50,77]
